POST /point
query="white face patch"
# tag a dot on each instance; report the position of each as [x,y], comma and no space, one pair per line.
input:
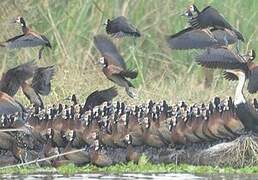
[18,19]
[191,8]
[127,137]
[49,131]
[102,60]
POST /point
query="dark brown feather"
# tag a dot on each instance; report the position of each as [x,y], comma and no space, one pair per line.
[191,39]
[32,96]
[120,27]
[13,78]
[221,58]
[41,81]
[253,81]
[98,97]
[109,50]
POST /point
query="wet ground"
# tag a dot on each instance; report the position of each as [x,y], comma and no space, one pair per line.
[167,176]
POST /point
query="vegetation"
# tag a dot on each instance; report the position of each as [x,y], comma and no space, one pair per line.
[164,74]
[143,167]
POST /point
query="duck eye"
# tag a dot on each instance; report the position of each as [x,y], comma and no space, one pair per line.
[192,8]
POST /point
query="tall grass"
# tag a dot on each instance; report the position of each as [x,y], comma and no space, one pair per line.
[163,74]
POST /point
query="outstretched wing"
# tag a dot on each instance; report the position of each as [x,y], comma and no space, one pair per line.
[120,27]
[98,97]
[221,58]
[13,78]
[106,46]
[41,81]
[210,17]
[191,39]
[27,40]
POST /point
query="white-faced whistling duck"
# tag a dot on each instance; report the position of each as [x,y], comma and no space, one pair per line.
[151,136]
[29,38]
[113,65]
[227,59]
[132,154]
[98,97]
[98,156]
[207,18]
[120,27]
[41,85]
[13,78]
[246,112]
[191,38]
[79,158]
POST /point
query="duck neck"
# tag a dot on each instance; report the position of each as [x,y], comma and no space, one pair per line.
[239,97]
[25,29]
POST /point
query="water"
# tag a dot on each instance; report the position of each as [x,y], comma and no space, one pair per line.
[167,176]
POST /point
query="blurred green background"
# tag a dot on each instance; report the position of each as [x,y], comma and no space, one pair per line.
[163,73]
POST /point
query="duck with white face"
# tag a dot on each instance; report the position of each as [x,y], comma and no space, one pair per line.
[99,156]
[209,17]
[120,27]
[113,65]
[191,12]
[28,39]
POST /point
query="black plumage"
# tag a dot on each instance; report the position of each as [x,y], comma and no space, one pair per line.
[98,97]
[120,27]
[252,86]
[209,17]
[191,38]
[223,58]
[41,80]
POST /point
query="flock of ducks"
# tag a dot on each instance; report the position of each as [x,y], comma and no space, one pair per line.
[103,132]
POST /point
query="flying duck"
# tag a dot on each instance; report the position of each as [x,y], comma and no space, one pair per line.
[29,38]
[209,17]
[113,65]
[41,85]
[225,58]
[121,27]
[15,77]
[98,97]
[191,38]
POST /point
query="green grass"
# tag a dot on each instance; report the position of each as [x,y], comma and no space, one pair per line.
[163,73]
[142,167]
